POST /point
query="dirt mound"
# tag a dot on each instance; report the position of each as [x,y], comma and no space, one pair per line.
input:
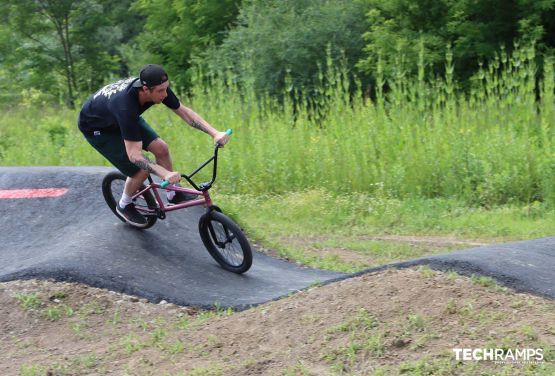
[389,322]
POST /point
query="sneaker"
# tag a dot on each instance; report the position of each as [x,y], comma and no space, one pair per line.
[182,197]
[131,215]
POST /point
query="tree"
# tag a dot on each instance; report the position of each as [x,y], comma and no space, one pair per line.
[44,27]
[274,38]
[476,29]
[177,31]
[61,43]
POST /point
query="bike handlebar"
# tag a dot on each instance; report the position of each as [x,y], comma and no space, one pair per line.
[214,158]
[229,132]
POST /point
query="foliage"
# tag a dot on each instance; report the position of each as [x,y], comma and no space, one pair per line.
[176,31]
[64,46]
[275,38]
[423,138]
[475,29]
[62,50]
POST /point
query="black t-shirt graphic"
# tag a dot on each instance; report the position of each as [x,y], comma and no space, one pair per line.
[116,108]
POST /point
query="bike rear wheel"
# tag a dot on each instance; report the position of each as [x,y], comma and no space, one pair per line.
[225,242]
[112,188]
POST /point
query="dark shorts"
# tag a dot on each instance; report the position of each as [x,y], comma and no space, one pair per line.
[112,147]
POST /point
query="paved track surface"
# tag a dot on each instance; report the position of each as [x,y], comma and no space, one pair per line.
[525,266]
[75,237]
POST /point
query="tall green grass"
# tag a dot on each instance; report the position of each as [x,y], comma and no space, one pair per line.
[419,136]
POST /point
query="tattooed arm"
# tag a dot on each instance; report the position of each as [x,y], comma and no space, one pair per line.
[136,156]
[197,122]
[199,126]
[144,163]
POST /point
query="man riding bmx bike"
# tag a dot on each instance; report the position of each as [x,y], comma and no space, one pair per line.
[111,122]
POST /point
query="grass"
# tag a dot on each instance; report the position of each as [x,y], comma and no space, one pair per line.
[176,347]
[116,317]
[29,301]
[422,138]
[415,322]
[362,321]
[52,312]
[212,370]
[297,370]
[529,332]
[157,335]
[445,366]
[317,212]
[132,343]
[320,229]
[423,159]
[91,308]
[487,282]
[79,329]
[363,338]
[81,364]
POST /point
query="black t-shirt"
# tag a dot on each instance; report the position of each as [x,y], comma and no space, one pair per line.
[116,108]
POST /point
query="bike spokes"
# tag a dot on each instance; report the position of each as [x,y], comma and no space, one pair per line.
[224,238]
[112,189]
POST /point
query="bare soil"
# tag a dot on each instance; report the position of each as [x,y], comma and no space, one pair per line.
[396,321]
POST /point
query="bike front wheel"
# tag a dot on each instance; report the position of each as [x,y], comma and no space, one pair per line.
[112,188]
[225,242]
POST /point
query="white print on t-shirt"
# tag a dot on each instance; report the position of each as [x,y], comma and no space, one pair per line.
[110,89]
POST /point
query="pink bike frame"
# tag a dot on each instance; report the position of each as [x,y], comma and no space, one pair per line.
[205,200]
[201,190]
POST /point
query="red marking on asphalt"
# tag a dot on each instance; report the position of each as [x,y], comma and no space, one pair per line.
[32,193]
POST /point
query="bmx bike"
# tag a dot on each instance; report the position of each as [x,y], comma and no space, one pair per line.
[221,236]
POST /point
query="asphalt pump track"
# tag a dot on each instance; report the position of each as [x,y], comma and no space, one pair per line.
[71,235]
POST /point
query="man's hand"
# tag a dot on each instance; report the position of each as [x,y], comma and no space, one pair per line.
[173,177]
[221,138]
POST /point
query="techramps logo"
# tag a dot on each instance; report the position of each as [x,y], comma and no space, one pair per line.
[501,356]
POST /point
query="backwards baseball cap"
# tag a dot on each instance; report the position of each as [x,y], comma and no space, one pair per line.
[151,75]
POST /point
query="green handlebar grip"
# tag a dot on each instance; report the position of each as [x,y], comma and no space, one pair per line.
[164,184]
[228,132]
